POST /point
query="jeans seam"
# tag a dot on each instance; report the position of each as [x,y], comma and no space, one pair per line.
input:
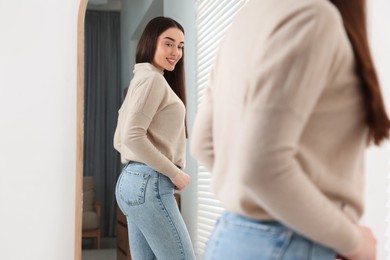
[254,227]
[217,238]
[279,252]
[311,248]
[169,219]
[117,194]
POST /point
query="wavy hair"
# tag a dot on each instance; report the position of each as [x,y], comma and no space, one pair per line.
[146,48]
[353,14]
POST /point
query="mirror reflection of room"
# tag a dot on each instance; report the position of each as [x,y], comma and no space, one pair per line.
[102,98]
[112,29]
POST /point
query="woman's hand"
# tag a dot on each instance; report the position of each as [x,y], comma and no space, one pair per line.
[181,180]
[366,249]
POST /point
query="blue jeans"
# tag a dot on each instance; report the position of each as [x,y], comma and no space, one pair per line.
[156,228]
[236,237]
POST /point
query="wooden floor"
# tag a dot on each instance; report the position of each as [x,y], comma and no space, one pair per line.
[107,249]
[101,254]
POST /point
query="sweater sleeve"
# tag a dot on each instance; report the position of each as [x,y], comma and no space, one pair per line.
[146,99]
[288,84]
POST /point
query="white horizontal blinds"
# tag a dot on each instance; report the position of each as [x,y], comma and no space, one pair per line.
[208,209]
[213,19]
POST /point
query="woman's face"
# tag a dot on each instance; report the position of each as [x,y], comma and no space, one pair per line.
[169,49]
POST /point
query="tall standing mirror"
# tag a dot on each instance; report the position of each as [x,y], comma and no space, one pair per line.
[108,34]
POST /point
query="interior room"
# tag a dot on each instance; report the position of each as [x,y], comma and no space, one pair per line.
[50,174]
[112,27]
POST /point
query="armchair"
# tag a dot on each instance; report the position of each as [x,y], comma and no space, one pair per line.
[91,212]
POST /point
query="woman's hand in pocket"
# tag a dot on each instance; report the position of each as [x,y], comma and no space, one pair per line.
[366,249]
[181,180]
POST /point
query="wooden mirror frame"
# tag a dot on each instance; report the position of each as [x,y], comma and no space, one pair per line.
[80,127]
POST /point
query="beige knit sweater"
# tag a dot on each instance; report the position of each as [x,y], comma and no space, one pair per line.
[151,126]
[282,124]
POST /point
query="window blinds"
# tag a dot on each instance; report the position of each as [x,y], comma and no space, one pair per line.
[213,19]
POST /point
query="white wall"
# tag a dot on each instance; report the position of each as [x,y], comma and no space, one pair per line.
[37,129]
[377,163]
[134,17]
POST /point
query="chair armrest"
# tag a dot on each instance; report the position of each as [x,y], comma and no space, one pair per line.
[97,207]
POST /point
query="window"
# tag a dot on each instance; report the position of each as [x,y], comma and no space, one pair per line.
[213,19]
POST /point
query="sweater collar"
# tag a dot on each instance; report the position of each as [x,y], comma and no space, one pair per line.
[147,66]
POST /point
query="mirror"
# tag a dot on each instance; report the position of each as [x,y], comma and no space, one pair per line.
[107,36]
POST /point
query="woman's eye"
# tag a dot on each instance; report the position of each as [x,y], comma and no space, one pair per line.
[181,47]
[169,44]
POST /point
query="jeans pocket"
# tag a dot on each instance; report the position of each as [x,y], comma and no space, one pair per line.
[132,187]
[165,185]
[237,237]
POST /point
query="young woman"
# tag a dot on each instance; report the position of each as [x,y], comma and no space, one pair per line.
[292,102]
[150,137]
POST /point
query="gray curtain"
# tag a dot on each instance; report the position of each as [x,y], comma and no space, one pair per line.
[102,101]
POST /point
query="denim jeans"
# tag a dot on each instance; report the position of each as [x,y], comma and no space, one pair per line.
[236,237]
[156,228]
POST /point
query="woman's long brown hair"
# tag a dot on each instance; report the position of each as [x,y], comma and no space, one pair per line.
[146,49]
[354,18]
